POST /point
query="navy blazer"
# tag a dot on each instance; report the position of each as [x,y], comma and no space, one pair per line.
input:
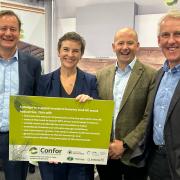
[49,84]
[29,73]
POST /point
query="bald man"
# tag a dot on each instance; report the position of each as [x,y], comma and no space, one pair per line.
[129,83]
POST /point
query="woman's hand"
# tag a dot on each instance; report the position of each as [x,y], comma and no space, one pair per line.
[83,98]
[53,162]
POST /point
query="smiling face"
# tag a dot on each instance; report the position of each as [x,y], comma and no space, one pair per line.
[169,40]
[125,46]
[9,33]
[70,54]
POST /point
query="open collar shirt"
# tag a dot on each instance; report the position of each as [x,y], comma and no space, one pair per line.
[162,101]
[9,85]
[120,82]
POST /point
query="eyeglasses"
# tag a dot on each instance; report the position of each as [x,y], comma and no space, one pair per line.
[5,28]
[167,35]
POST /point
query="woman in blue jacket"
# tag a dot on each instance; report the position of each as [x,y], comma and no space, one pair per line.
[70,82]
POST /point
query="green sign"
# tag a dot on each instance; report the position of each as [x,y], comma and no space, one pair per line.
[61,129]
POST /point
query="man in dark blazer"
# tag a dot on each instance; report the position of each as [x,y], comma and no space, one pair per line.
[129,83]
[19,74]
[163,131]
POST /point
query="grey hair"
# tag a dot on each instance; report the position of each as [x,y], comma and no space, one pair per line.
[174,13]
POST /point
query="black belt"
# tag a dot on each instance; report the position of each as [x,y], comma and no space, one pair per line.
[160,148]
[7,132]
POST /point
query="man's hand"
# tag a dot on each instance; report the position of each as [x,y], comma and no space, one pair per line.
[116,149]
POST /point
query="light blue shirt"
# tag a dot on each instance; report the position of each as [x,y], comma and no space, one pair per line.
[9,85]
[162,101]
[120,82]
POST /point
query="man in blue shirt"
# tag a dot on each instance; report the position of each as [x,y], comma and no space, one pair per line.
[164,125]
[19,74]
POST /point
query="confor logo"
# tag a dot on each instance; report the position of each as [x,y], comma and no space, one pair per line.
[50,151]
[33,150]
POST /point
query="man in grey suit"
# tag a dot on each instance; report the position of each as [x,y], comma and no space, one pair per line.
[163,132]
[19,74]
[129,83]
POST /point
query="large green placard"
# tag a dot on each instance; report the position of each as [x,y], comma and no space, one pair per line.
[46,128]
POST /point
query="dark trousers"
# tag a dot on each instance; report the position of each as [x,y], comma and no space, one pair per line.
[66,171]
[116,170]
[158,168]
[14,170]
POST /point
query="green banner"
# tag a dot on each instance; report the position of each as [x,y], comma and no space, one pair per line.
[48,128]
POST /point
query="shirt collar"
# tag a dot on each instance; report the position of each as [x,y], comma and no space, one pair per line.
[14,57]
[130,65]
[173,70]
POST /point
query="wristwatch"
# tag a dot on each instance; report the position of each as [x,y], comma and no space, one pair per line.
[125,146]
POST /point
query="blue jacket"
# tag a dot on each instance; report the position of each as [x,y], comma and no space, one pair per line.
[49,84]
